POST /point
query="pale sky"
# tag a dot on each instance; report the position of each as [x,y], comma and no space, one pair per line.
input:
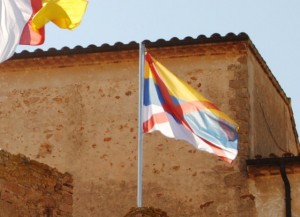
[272,25]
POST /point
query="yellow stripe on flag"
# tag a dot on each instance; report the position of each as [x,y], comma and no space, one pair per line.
[182,90]
[177,87]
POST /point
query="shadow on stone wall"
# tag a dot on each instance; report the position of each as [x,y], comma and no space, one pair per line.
[29,188]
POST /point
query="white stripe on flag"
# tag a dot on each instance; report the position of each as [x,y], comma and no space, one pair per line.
[14,14]
[150,110]
[173,129]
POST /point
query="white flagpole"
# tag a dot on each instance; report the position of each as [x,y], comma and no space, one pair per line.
[140,124]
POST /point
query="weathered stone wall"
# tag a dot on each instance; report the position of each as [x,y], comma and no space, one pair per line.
[271,134]
[269,193]
[29,188]
[78,113]
[271,125]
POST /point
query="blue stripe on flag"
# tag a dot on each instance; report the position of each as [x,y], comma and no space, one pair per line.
[152,93]
[208,127]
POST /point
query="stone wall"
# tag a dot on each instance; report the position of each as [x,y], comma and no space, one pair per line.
[31,189]
[271,124]
[271,135]
[78,113]
[269,193]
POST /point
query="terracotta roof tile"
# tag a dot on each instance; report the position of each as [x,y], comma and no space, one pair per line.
[201,39]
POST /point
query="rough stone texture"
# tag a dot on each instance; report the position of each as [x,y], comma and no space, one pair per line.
[295,194]
[78,113]
[269,195]
[271,124]
[31,189]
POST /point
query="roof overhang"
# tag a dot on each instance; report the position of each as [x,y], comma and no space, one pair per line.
[271,166]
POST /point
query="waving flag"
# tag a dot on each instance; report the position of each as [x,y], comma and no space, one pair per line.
[22,21]
[175,109]
[14,14]
[66,14]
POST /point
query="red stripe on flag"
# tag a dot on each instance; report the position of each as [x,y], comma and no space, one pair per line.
[30,36]
[195,106]
[169,106]
[158,118]
[218,151]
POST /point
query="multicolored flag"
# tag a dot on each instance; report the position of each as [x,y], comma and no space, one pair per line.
[178,111]
[22,21]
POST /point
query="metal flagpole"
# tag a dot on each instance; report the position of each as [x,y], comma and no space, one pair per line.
[140,123]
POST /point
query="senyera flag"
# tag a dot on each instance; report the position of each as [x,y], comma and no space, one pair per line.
[22,21]
[178,111]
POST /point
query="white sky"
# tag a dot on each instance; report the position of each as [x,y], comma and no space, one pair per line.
[273,26]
